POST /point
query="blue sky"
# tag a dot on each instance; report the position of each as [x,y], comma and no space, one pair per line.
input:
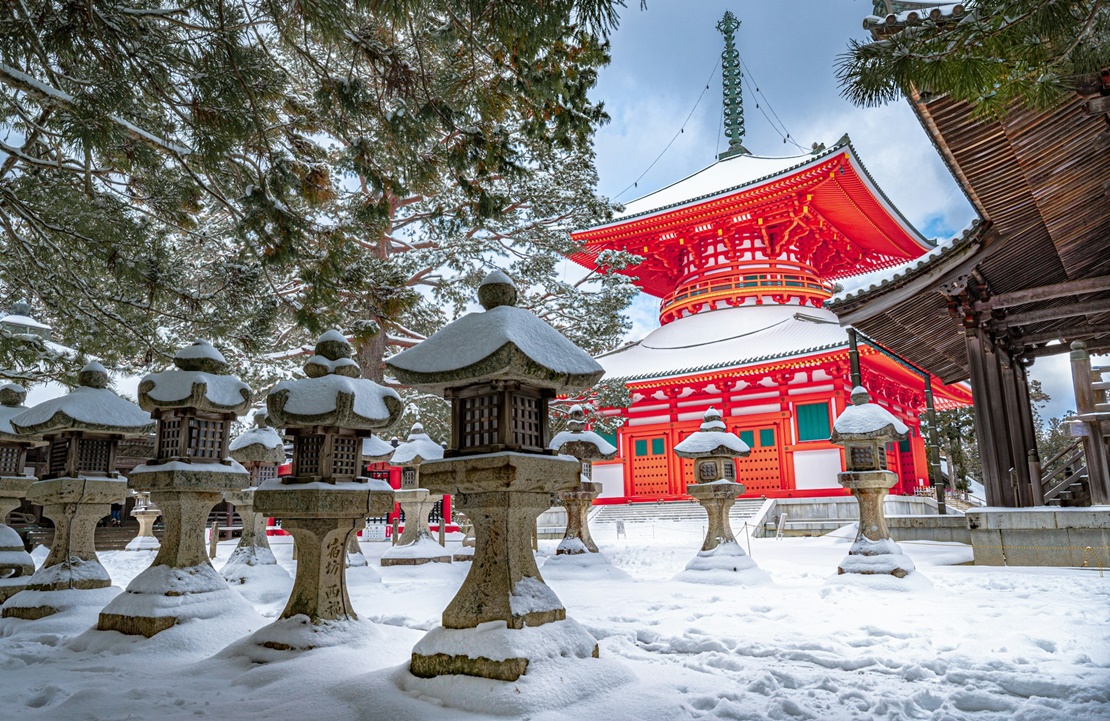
[662,58]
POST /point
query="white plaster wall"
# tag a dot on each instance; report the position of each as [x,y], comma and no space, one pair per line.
[816,469]
[611,478]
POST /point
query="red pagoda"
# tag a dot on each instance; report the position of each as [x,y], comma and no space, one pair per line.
[742,255]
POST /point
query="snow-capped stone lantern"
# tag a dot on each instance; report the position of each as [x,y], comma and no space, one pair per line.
[714,450]
[587,447]
[16,565]
[194,404]
[328,415]
[83,429]
[864,429]
[146,513]
[416,545]
[260,450]
[499,369]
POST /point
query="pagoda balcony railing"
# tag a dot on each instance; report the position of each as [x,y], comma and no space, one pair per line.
[780,280]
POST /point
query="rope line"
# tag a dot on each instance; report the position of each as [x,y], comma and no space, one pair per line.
[680,131]
[784,133]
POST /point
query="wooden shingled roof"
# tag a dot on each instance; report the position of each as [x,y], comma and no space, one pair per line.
[1038,270]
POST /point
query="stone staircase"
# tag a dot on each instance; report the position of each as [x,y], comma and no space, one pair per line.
[745,510]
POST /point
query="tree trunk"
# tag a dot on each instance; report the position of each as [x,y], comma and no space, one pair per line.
[371,355]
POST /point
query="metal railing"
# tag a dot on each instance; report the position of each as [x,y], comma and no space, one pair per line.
[1063,471]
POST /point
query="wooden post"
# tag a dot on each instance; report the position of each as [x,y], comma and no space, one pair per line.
[1094,445]
[981,402]
[1033,459]
[999,436]
[214,539]
[1015,433]
[396,528]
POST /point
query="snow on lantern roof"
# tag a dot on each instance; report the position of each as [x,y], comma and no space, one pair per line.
[865,420]
[419,447]
[91,406]
[262,443]
[19,317]
[333,394]
[593,447]
[711,440]
[502,343]
[376,449]
[201,381]
[12,397]
[726,338]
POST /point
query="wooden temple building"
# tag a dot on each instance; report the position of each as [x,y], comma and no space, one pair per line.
[743,256]
[1032,278]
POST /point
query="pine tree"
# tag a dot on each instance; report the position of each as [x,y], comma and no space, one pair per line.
[254,171]
[997,53]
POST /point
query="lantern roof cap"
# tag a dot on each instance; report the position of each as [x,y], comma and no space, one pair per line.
[12,397]
[419,447]
[375,448]
[262,443]
[503,343]
[91,406]
[578,442]
[201,380]
[711,440]
[333,394]
[864,420]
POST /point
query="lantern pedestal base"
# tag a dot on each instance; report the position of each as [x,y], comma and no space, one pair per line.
[577,503]
[180,579]
[16,565]
[416,546]
[321,518]
[146,540]
[254,548]
[497,652]
[717,498]
[74,505]
[873,552]
[502,494]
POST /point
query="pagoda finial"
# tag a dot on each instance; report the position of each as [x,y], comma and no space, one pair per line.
[731,81]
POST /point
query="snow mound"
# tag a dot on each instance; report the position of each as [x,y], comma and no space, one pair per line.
[275,642]
[531,595]
[581,567]
[562,438]
[261,584]
[912,583]
[725,565]
[708,442]
[424,547]
[549,685]
[143,543]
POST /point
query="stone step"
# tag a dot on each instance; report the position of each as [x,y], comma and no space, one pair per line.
[674,511]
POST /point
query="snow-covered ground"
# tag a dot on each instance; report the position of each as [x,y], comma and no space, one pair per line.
[979,643]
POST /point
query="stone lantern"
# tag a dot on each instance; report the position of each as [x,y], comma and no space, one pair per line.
[146,513]
[260,450]
[499,369]
[83,429]
[195,404]
[328,415]
[416,545]
[714,450]
[587,447]
[16,565]
[864,429]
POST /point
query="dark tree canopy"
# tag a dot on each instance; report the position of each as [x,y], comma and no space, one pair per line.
[996,53]
[256,171]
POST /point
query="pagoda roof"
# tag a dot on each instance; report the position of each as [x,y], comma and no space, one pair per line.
[833,183]
[726,338]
